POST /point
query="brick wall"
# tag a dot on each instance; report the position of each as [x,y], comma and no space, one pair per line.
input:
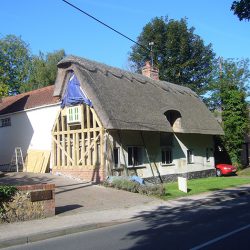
[30,202]
[96,176]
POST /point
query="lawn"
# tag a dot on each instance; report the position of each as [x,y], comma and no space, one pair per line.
[197,186]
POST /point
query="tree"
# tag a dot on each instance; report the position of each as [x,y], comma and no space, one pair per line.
[180,55]
[241,8]
[229,95]
[14,64]
[43,70]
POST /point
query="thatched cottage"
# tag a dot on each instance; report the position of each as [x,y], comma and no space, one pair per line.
[103,121]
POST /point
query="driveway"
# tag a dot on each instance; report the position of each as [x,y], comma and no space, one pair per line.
[74,196]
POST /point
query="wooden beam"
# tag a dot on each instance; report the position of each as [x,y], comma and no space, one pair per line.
[63,151]
[63,119]
[88,136]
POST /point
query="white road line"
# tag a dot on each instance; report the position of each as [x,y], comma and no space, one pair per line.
[220,238]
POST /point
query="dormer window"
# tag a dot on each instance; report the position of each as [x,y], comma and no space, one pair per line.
[174,118]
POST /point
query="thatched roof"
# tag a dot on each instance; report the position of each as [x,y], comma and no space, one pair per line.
[130,101]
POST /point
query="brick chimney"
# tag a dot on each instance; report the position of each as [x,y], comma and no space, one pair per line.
[149,71]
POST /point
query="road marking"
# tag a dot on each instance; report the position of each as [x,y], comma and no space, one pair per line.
[220,237]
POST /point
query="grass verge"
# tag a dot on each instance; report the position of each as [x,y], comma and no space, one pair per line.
[198,186]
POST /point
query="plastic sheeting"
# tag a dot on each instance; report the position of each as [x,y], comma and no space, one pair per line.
[74,94]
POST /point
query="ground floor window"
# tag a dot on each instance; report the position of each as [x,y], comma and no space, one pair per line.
[166,156]
[190,156]
[135,156]
[208,154]
[117,157]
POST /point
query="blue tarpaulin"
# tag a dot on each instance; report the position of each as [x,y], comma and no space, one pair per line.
[74,94]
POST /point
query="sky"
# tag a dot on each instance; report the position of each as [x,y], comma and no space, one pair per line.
[50,25]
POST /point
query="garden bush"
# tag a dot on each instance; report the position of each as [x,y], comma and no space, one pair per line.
[135,187]
[6,193]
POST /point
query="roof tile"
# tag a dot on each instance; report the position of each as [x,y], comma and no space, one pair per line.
[31,99]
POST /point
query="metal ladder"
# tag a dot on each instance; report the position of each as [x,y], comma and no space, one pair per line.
[17,160]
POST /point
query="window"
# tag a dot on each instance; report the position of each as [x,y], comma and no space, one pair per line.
[117,157]
[73,114]
[5,122]
[166,156]
[207,154]
[135,156]
[190,156]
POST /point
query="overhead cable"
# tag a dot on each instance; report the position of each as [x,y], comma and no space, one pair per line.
[99,21]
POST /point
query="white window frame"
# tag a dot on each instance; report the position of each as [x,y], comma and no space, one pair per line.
[73,115]
[5,122]
[190,156]
[141,155]
[164,150]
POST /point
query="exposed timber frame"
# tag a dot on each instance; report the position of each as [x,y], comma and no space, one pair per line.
[79,146]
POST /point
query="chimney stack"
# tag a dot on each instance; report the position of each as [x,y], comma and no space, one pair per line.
[150,71]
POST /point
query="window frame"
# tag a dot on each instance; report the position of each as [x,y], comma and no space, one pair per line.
[5,122]
[190,156]
[118,164]
[164,150]
[73,115]
[140,153]
[208,155]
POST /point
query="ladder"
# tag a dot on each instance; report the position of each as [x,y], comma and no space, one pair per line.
[17,160]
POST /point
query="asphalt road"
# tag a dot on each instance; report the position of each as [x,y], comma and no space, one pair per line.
[220,226]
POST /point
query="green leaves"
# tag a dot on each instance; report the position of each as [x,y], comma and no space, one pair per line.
[43,70]
[231,91]
[20,71]
[241,8]
[14,64]
[180,55]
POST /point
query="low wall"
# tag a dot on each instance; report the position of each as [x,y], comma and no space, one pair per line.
[30,202]
[96,176]
[189,175]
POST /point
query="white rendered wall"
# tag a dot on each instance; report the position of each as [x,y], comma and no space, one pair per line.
[181,143]
[29,129]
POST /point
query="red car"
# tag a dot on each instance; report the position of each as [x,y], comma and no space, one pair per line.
[225,169]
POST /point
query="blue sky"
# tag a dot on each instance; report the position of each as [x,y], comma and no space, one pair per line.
[49,25]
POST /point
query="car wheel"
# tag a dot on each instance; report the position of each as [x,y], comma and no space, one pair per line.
[218,172]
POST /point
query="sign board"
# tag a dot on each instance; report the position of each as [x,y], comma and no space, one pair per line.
[41,195]
[182,184]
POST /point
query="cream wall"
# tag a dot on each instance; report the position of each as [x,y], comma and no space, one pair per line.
[30,129]
[181,143]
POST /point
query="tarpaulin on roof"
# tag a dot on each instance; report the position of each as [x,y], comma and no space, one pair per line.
[74,94]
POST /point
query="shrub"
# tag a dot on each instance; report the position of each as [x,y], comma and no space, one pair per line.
[157,190]
[7,192]
[135,187]
[126,185]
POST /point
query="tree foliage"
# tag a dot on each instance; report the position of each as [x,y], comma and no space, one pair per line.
[14,64]
[43,70]
[20,71]
[229,95]
[241,8]
[180,55]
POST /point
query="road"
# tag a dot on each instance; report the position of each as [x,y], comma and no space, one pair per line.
[223,225]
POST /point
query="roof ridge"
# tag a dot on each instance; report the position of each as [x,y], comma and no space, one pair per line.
[92,65]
